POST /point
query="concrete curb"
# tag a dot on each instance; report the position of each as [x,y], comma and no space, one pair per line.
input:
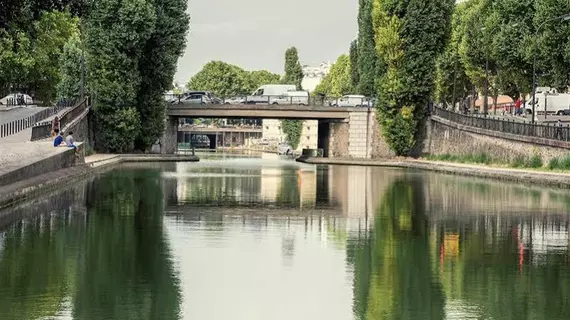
[554,179]
[19,191]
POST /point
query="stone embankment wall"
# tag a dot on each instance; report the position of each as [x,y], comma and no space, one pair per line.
[359,138]
[446,137]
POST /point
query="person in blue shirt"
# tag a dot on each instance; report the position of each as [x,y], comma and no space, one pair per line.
[58,140]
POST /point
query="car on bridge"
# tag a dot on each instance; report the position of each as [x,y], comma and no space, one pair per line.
[352,100]
[235,100]
[198,97]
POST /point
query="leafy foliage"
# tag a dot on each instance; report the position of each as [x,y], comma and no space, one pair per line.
[367,56]
[227,80]
[30,56]
[70,70]
[293,69]
[292,130]
[409,35]
[158,66]
[354,74]
[116,37]
[338,81]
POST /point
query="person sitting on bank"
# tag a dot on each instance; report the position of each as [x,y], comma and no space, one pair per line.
[69,140]
[58,140]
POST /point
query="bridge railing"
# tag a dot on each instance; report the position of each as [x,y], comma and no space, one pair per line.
[299,100]
[42,130]
[18,125]
[521,128]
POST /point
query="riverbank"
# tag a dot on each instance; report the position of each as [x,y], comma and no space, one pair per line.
[21,190]
[555,179]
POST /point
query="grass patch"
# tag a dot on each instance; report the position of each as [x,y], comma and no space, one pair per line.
[478,158]
[534,162]
[560,163]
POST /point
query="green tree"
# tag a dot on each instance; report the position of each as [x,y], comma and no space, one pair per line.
[30,55]
[293,75]
[354,74]
[450,67]
[157,67]
[222,79]
[117,32]
[553,43]
[409,36]
[257,78]
[70,69]
[338,81]
[293,69]
[367,56]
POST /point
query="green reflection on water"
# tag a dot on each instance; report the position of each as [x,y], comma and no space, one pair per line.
[113,262]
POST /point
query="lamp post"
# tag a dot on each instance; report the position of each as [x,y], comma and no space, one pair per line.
[564,17]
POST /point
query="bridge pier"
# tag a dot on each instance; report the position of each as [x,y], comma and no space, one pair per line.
[169,141]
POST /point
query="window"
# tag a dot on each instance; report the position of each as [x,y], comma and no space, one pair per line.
[308,137]
[308,128]
[279,128]
[266,127]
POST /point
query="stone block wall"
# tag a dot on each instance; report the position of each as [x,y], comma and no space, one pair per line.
[447,137]
[338,140]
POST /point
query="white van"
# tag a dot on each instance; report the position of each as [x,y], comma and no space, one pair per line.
[557,103]
[300,98]
[265,92]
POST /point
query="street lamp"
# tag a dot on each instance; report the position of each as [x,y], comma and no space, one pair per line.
[564,17]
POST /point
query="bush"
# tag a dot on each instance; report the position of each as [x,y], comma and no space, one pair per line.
[518,162]
[560,163]
[535,162]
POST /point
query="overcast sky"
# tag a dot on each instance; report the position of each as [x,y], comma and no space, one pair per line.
[254,34]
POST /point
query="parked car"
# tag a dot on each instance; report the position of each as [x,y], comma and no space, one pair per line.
[194,99]
[235,100]
[17,99]
[352,100]
[292,98]
[284,149]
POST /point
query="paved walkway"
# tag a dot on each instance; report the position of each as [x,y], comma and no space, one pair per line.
[17,150]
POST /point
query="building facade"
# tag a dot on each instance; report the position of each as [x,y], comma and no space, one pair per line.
[273,132]
[312,76]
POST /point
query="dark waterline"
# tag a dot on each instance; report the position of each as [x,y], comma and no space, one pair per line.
[268,238]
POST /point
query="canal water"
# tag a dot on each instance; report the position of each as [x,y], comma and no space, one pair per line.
[261,237]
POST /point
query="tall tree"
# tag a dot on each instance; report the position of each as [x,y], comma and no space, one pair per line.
[338,81]
[157,67]
[409,35]
[354,73]
[222,79]
[450,67]
[367,56]
[70,70]
[117,32]
[293,69]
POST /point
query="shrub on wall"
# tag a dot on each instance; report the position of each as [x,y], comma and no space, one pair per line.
[292,130]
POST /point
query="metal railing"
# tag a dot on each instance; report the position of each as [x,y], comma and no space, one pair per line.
[520,128]
[297,100]
[18,125]
[42,130]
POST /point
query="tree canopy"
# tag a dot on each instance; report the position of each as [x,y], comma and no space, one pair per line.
[226,80]
[293,69]
[338,81]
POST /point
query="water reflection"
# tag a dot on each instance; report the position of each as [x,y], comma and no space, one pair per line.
[267,238]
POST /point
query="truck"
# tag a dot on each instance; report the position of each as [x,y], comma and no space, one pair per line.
[551,103]
[266,93]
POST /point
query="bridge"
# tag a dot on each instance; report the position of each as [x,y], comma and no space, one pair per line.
[257,111]
[342,131]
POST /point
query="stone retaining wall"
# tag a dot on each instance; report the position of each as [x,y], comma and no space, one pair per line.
[446,137]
